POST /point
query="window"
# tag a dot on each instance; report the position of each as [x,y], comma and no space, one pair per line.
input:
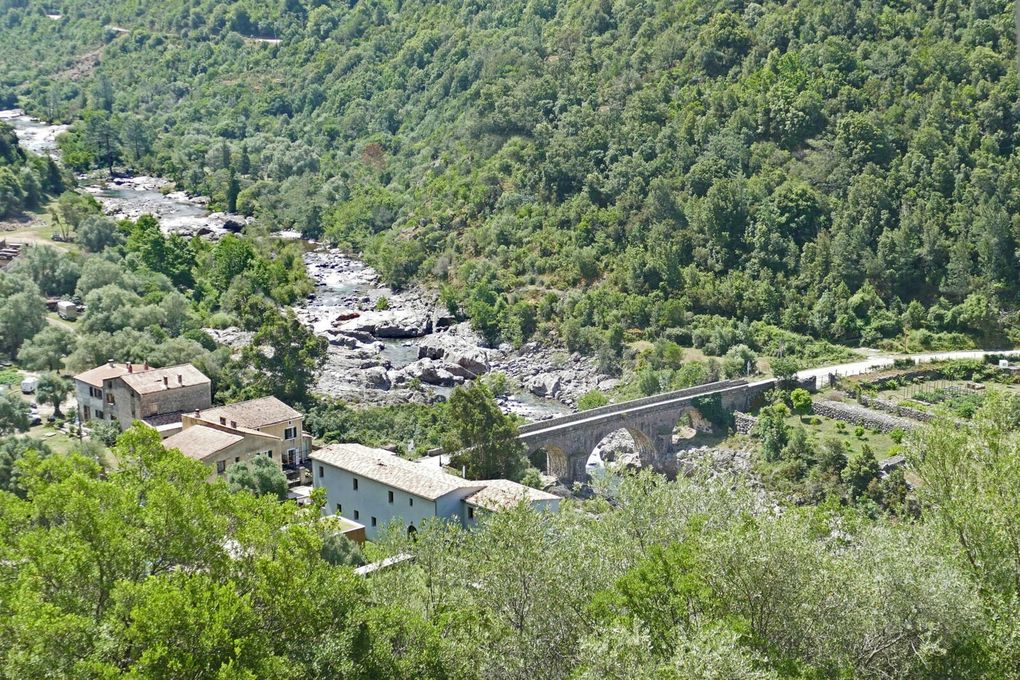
[237,459]
[355,483]
[357,515]
[410,501]
[269,454]
[95,393]
[471,513]
[99,415]
[321,472]
[391,496]
[109,398]
[221,467]
[373,521]
[339,509]
[290,433]
[87,413]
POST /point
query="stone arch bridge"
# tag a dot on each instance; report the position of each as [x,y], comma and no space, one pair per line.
[568,441]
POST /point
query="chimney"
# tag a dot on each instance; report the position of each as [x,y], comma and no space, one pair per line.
[166,381]
[180,379]
[233,424]
[129,367]
[110,361]
[223,421]
[198,413]
[146,365]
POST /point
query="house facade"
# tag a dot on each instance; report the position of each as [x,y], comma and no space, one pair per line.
[375,487]
[124,393]
[267,416]
[222,436]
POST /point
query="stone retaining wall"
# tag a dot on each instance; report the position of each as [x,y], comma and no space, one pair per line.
[896,409]
[743,423]
[855,414]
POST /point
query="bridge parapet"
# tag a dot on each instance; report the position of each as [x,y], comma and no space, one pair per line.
[633,403]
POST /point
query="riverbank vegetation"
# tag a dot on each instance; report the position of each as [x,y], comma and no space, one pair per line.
[27,181]
[566,168]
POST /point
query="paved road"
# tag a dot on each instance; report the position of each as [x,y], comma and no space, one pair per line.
[885,361]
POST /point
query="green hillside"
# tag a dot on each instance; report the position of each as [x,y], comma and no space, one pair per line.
[576,168]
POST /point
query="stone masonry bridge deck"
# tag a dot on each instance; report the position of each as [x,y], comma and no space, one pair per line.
[569,441]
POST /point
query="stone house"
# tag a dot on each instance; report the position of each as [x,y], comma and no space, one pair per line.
[375,487]
[127,392]
[222,436]
[268,416]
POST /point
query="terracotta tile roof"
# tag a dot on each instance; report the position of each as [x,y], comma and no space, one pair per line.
[392,470]
[96,376]
[200,442]
[151,381]
[252,414]
[501,494]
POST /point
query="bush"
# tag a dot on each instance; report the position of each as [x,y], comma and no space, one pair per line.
[339,550]
[590,400]
[382,304]
[897,435]
[532,477]
[648,382]
[221,320]
[859,432]
[105,431]
[801,400]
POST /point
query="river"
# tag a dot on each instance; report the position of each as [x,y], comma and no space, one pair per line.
[366,363]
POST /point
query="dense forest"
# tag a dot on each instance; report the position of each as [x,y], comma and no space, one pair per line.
[842,170]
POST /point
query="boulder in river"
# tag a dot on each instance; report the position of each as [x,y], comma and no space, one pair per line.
[390,324]
[430,373]
[458,346]
[545,385]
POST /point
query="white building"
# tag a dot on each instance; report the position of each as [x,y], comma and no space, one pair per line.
[374,487]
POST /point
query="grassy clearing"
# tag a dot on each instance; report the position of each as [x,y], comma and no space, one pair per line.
[56,439]
[820,428]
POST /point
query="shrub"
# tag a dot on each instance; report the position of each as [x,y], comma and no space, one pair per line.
[339,550]
[220,320]
[382,304]
[801,400]
[106,431]
[590,400]
[498,383]
[859,432]
[532,477]
[897,435]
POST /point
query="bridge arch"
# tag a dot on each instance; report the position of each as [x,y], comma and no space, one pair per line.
[569,440]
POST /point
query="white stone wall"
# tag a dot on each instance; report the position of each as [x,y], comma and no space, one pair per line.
[372,500]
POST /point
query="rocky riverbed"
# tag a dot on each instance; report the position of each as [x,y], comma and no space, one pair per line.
[130,197]
[33,135]
[177,212]
[392,347]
